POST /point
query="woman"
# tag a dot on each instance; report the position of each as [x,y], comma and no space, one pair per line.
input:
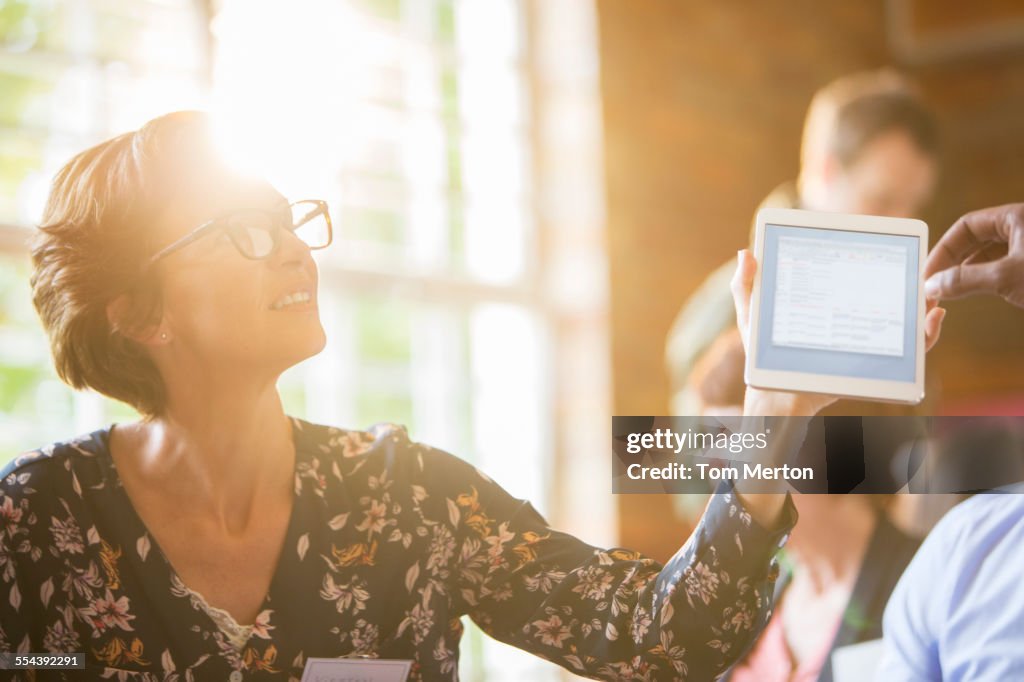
[219,539]
[845,560]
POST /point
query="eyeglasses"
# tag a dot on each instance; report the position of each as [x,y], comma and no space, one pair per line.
[257,233]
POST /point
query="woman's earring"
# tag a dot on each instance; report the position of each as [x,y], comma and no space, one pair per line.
[163,336]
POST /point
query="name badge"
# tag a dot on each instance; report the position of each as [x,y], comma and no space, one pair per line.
[355,670]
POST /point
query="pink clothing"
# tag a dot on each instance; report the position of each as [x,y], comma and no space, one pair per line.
[771,660]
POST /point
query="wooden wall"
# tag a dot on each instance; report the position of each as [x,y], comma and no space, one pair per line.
[703,104]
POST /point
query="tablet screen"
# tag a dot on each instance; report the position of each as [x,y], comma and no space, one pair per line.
[838,302]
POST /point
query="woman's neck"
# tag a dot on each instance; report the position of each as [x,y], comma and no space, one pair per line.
[224,450]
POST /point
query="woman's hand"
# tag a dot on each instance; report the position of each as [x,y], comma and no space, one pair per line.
[760,402]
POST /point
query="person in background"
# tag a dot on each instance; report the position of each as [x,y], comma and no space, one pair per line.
[870,145]
[840,566]
[957,613]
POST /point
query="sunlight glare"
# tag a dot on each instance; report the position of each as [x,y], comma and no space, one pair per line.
[285,78]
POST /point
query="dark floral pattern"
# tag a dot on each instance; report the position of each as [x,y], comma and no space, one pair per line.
[389,543]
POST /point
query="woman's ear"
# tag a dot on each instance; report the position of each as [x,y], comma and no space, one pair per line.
[120,317]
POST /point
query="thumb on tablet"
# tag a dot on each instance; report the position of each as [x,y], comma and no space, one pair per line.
[742,286]
[933,326]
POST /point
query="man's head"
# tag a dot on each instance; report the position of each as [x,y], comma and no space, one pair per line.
[870,145]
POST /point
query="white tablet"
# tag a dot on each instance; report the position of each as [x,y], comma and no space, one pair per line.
[838,305]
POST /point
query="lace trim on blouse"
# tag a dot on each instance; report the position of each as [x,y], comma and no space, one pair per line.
[237,635]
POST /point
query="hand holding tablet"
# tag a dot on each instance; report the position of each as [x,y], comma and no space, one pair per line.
[837,307]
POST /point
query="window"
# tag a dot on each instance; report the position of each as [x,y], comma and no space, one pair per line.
[72,73]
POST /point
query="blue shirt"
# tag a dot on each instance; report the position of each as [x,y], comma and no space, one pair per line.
[958,611]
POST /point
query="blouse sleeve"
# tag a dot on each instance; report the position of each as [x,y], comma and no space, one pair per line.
[613,613]
[19,544]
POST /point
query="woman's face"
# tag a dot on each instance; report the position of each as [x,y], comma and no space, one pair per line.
[225,312]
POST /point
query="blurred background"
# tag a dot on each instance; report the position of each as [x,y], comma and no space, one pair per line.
[525,192]
[703,109]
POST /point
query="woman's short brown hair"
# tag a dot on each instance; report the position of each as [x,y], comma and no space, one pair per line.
[93,243]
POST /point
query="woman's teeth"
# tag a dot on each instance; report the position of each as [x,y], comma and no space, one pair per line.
[297,298]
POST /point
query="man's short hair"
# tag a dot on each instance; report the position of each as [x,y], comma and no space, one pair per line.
[848,114]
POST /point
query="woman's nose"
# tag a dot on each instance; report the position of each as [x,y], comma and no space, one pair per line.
[291,249]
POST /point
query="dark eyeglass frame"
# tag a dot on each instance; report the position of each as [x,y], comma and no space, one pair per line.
[319,208]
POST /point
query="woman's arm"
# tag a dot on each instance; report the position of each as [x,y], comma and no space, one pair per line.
[763,503]
[613,613]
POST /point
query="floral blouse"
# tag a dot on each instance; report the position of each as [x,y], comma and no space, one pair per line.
[389,543]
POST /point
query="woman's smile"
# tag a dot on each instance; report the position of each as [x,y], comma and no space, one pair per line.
[300,300]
